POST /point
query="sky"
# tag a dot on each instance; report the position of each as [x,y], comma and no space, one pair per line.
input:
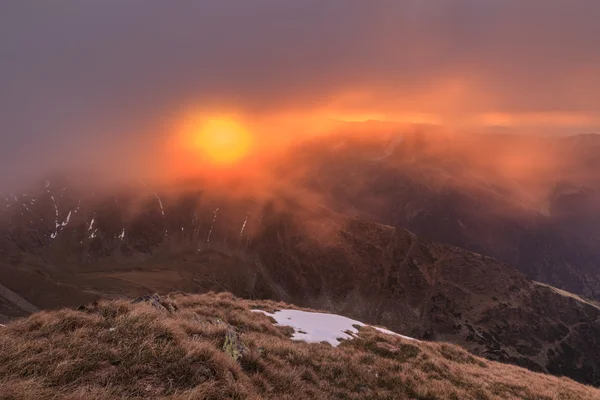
[96,81]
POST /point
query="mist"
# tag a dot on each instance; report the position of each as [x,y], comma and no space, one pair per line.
[97,85]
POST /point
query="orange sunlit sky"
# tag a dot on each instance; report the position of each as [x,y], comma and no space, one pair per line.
[271,72]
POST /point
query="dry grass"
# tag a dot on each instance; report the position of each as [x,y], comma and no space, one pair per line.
[118,349]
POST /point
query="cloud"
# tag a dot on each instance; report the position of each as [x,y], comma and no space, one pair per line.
[91,81]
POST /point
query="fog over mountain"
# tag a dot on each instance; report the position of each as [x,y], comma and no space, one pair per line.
[427,166]
[83,82]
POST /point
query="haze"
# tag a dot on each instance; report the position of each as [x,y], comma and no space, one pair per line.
[99,84]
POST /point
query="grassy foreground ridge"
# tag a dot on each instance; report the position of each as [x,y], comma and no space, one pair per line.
[213,347]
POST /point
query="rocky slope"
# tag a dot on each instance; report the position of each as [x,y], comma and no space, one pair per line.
[65,246]
[533,202]
[215,347]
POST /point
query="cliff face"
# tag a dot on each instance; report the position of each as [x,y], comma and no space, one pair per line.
[64,247]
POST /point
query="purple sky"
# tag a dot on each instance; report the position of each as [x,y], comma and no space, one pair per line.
[79,75]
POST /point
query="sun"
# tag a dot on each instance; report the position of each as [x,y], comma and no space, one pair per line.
[222,141]
[219,145]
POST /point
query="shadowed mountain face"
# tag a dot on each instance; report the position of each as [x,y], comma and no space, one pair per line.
[533,202]
[63,245]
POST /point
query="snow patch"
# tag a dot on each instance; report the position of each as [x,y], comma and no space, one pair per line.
[61,226]
[91,224]
[244,225]
[162,210]
[56,224]
[213,225]
[315,327]
[122,235]
[66,222]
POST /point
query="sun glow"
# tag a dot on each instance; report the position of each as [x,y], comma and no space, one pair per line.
[226,145]
[220,141]
[223,141]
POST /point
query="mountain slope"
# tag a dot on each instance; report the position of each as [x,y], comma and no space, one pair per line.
[533,202]
[214,347]
[133,242]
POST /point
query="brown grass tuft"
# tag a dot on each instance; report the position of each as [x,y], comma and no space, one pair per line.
[118,350]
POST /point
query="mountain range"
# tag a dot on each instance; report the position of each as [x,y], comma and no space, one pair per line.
[68,242]
[532,202]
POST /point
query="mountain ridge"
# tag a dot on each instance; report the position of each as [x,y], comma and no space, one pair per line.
[312,257]
[533,202]
[214,346]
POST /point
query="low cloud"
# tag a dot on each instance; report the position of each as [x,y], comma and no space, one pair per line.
[91,84]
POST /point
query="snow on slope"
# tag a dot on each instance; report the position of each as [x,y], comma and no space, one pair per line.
[321,327]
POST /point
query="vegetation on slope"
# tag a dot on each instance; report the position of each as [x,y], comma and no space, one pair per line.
[213,347]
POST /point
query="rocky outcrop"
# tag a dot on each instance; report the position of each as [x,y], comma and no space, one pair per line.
[156,301]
